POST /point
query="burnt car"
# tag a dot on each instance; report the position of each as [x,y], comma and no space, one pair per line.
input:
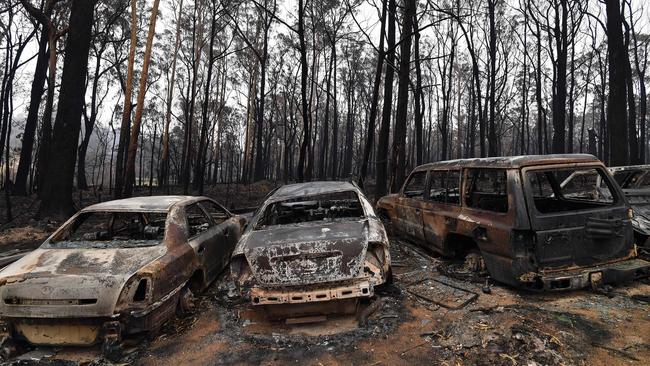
[514,216]
[315,244]
[117,268]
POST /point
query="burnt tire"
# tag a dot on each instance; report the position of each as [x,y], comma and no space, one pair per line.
[186,302]
[474,262]
[112,349]
[7,348]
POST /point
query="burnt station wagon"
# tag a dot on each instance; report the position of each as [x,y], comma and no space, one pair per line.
[117,268]
[312,249]
[526,228]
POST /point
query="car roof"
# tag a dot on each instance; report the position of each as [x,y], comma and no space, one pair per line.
[312,188]
[148,203]
[628,167]
[510,161]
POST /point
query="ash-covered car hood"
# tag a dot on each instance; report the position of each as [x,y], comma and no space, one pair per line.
[50,283]
[309,253]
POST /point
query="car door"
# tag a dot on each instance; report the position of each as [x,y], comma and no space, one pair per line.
[409,205]
[441,207]
[204,236]
[488,213]
[228,231]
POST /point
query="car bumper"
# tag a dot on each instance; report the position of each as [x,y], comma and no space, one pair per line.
[87,331]
[61,332]
[310,294]
[618,272]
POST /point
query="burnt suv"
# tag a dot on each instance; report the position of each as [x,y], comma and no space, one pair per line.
[525,226]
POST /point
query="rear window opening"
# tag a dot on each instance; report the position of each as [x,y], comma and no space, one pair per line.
[633,179]
[570,189]
[327,207]
[113,230]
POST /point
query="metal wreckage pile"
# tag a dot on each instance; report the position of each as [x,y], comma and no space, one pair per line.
[468,263]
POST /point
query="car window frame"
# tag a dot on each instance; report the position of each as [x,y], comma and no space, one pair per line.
[465,182]
[618,196]
[425,193]
[427,189]
[228,213]
[187,222]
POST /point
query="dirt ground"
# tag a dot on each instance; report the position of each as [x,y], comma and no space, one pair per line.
[464,327]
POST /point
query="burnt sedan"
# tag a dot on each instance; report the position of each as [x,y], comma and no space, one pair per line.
[117,268]
[318,244]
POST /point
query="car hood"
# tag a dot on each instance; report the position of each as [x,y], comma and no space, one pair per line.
[307,253]
[52,283]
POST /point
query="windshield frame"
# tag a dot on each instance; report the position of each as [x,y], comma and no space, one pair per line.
[54,241]
[260,213]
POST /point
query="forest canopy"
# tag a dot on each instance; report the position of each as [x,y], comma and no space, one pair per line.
[175,95]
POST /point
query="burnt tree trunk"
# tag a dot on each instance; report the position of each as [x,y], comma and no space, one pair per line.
[398,157]
[560,94]
[384,129]
[126,111]
[59,176]
[306,134]
[135,128]
[38,87]
[616,101]
[370,138]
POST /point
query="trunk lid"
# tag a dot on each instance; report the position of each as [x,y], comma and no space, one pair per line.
[574,224]
[307,253]
[53,283]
